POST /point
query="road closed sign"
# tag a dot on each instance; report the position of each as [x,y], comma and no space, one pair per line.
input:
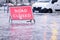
[21,13]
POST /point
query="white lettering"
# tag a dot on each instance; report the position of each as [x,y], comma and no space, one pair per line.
[21,16]
[20,10]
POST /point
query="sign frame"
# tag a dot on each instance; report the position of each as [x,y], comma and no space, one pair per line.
[32,20]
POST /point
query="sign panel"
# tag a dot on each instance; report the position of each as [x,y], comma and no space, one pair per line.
[21,13]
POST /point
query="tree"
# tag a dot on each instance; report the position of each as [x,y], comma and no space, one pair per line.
[8,1]
[29,1]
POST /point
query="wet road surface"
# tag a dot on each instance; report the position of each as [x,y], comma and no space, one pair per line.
[46,27]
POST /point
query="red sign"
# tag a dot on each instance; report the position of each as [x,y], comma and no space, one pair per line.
[21,13]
